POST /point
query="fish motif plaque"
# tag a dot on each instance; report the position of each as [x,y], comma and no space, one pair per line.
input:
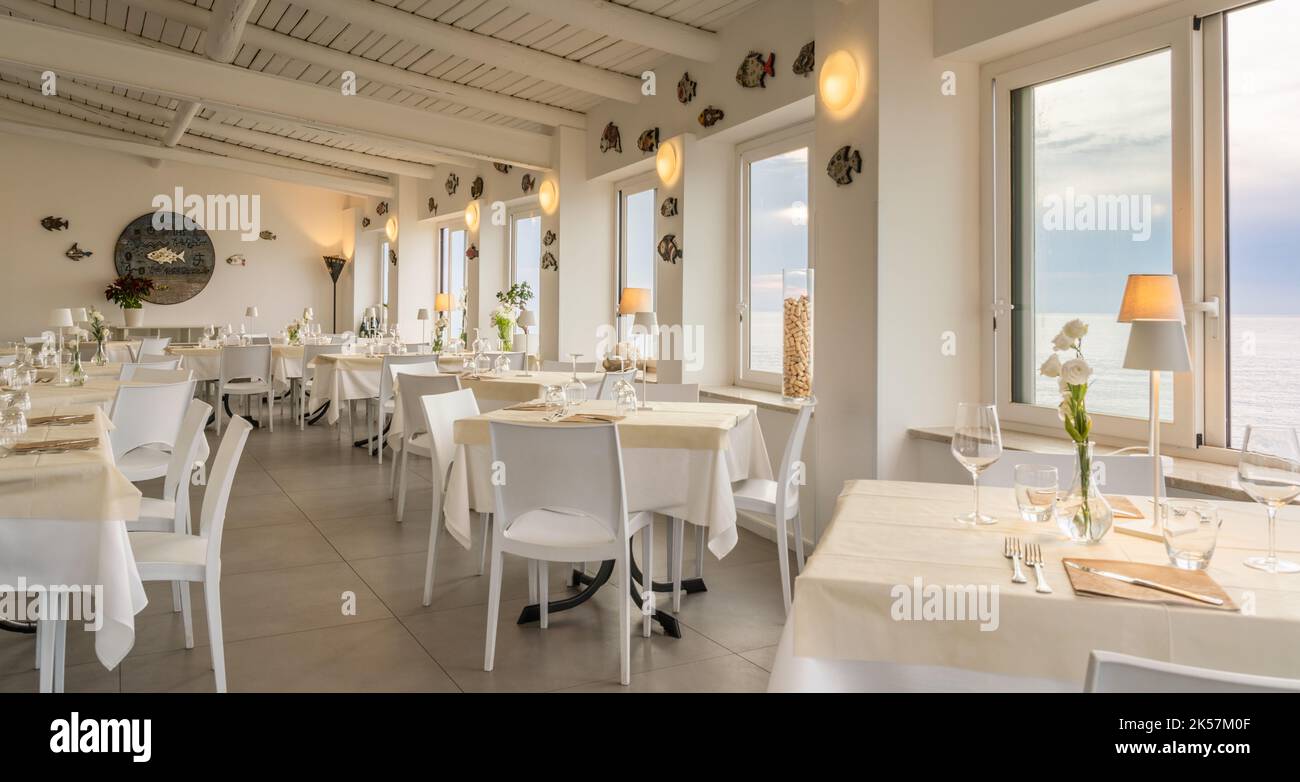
[180,259]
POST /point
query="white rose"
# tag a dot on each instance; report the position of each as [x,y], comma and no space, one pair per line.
[1076,372]
[1062,386]
[1075,329]
[1063,410]
[1062,341]
[1051,367]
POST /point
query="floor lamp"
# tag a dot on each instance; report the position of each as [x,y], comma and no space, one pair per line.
[1157,342]
[335,264]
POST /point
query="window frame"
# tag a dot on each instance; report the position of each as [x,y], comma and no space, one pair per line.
[762,148]
[524,211]
[622,189]
[1186,89]
[451,225]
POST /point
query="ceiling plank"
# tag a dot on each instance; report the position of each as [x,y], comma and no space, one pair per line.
[627,24]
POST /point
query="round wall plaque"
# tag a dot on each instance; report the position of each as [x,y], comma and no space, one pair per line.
[179,259]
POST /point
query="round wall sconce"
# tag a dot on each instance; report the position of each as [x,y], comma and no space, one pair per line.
[390,229]
[547,196]
[666,162]
[839,80]
[471,215]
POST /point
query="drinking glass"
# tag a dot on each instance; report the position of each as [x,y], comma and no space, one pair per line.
[1191,530]
[502,365]
[575,391]
[554,397]
[482,364]
[1036,488]
[976,444]
[9,430]
[1269,471]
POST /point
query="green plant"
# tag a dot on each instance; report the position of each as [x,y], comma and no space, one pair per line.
[128,291]
[516,296]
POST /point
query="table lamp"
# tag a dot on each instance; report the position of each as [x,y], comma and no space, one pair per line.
[527,320]
[648,321]
[79,314]
[422,315]
[1157,343]
[251,314]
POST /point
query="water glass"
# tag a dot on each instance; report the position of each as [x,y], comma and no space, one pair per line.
[1191,531]
[1036,488]
[502,364]
[554,397]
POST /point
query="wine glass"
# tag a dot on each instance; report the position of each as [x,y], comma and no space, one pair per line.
[575,391]
[1269,471]
[976,444]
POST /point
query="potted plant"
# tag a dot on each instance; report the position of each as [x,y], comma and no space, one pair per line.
[510,303]
[128,292]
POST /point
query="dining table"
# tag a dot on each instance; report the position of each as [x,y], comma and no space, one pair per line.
[63,517]
[679,460]
[889,542]
[205,362]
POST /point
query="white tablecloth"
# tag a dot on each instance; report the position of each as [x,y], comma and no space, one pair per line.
[205,363]
[688,483]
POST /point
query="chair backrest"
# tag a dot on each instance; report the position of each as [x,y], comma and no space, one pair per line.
[1119,474]
[131,371]
[159,358]
[569,469]
[33,341]
[672,392]
[567,366]
[152,346]
[151,375]
[441,412]
[176,486]
[413,386]
[252,362]
[148,415]
[87,349]
[310,352]
[787,479]
[212,522]
[606,390]
[416,347]
[1113,672]
[259,339]
[516,358]
[389,371]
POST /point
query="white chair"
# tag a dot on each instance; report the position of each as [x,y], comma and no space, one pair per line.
[246,371]
[176,556]
[517,359]
[417,348]
[779,499]
[162,375]
[151,346]
[146,427]
[157,358]
[440,413]
[1120,473]
[259,339]
[129,371]
[35,341]
[606,389]
[384,404]
[567,366]
[415,436]
[303,384]
[564,500]
[1114,672]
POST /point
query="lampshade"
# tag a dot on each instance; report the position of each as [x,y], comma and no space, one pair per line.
[1158,345]
[547,197]
[79,314]
[666,162]
[422,314]
[442,302]
[1151,297]
[61,318]
[646,320]
[839,80]
[527,319]
[370,312]
[635,300]
[250,312]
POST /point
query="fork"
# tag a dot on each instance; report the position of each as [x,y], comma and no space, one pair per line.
[1034,558]
[1011,550]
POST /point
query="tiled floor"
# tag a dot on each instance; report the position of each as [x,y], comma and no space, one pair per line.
[310,525]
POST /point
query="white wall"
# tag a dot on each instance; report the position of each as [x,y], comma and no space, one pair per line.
[586,242]
[99,192]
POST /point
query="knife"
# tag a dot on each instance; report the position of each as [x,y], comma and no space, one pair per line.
[1142,582]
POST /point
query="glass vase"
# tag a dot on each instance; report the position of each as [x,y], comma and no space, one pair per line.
[1083,514]
[797,331]
[506,331]
[101,354]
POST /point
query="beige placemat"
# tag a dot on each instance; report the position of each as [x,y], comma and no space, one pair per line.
[74,444]
[1198,581]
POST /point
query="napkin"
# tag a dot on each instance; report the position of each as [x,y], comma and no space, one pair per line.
[1197,581]
[78,444]
[591,418]
[1123,507]
[47,420]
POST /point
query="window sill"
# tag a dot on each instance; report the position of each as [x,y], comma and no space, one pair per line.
[1187,474]
[768,400]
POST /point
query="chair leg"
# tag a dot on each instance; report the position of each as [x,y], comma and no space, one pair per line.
[544,591]
[431,557]
[270,410]
[400,466]
[212,600]
[701,544]
[678,539]
[392,478]
[486,518]
[532,581]
[798,540]
[624,616]
[783,559]
[176,597]
[647,576]
[220,408]
[187,612]
[494,610]
[60,629]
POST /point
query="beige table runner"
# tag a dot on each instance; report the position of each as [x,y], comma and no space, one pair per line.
[689,425]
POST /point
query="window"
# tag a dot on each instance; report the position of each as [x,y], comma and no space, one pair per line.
[775,237]
[526,255]
[636,242]
[384,272]
[452,276]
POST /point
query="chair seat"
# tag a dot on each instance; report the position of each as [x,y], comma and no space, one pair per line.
[144,463]
[167,548]
[758,495]
[155,516]
[544,527]
[420,445]
[248,387]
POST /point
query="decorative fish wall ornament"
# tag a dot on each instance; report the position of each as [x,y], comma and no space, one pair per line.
[382,208]
[392,256]
[453,183]
[754,70]
[166,256]
[237,260]
[502,167]
[844,164]
[669,251]
[549,239]
[669,208]
[54,223]
[267,235]
[365,222]
[648,141]
[611,139]
[806,62]
[476,188]
[711,116]
[433,206]
[472,252]
[76,253]
[549,263]
[686,88]
[528,183]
